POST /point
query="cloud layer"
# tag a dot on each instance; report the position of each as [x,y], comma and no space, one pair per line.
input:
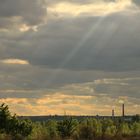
[81,55]
[17,13]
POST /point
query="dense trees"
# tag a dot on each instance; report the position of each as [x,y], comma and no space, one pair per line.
[67,127]
[11,125]
[88,129]
[12,128]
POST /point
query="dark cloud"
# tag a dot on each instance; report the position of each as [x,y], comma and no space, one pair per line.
[115,90]
[136,2]
[51,2]
[108,43]
[89,43]
[16,12]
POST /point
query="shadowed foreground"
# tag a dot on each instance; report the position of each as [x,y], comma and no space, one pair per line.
[13,128]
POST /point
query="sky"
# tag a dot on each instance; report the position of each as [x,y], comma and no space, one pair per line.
[70,57]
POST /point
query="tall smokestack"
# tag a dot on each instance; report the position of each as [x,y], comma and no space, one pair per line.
[123,114]
[113,113]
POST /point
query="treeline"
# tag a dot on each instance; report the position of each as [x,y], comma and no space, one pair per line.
[12,128]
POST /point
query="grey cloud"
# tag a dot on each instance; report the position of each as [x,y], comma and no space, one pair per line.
[136,2]
[85,43]
[51,2]
[112,47]
[88,44]
[15,12]
[130,89]
[35,82]
[29,81]
[69,51]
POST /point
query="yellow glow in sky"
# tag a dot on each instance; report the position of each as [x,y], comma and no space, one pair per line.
[98,8]
[25,28]
[15,61]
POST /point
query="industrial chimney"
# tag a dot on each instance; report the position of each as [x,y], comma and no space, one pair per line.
[113,113]
[123,114]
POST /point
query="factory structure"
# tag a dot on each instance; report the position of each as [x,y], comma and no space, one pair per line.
[123,116]
[123,111]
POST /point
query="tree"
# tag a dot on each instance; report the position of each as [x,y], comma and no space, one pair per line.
[52,128]
[12,125]
[106,124]
[136,129]
[89,129]
[124,129]
[5,116]
[67,127]
[136,118]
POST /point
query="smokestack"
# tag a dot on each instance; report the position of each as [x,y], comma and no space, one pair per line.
[113,113]
[123,114]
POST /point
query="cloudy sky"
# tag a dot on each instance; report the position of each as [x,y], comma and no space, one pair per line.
[74,56]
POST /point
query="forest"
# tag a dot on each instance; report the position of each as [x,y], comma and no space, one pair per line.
[13,128]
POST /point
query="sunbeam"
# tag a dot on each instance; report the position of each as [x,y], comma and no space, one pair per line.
[73,55]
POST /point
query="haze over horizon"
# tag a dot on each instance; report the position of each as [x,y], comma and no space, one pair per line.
[82,57]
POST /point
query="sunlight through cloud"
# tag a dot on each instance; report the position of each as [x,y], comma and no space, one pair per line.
[96,8]
[15,61]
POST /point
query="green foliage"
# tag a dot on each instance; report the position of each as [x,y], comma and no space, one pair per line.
[52,128]
[86,130]
[135,129]
[5,116]
[12,128]
[12,125]
[111,131]
[67,127]
[39,132]
[124,129]
[136,118]
[108,128]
